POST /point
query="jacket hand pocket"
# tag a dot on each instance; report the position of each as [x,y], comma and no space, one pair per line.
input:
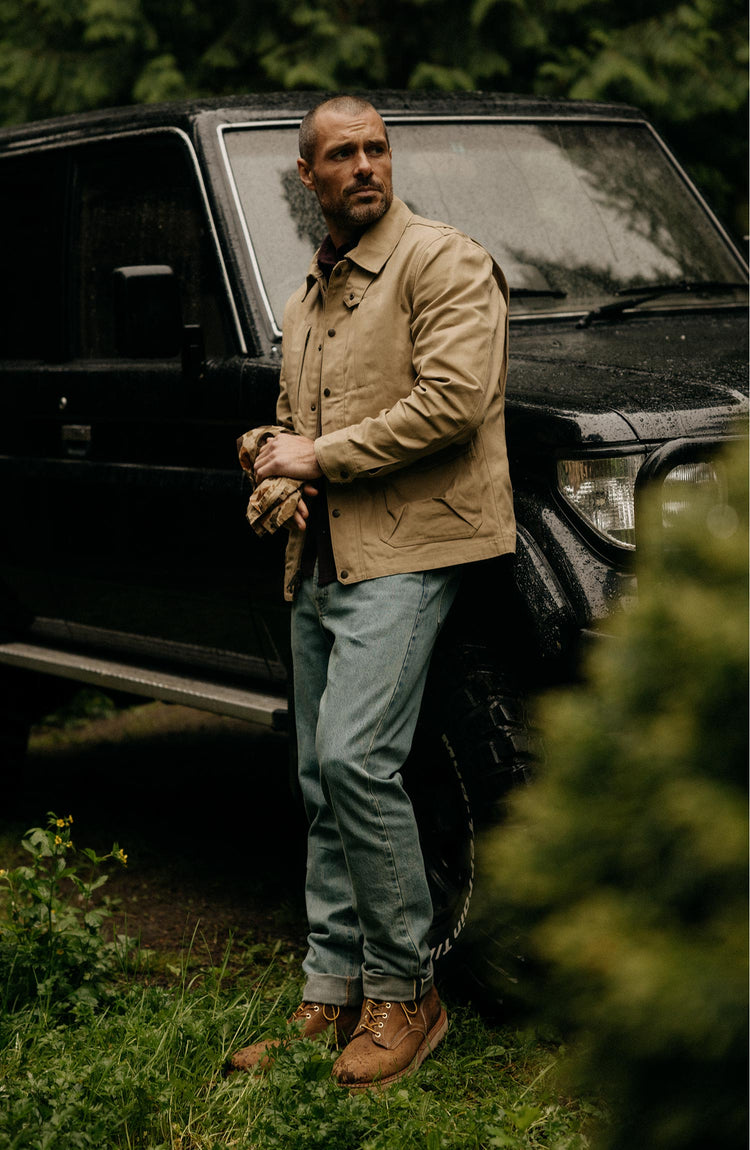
[406,522]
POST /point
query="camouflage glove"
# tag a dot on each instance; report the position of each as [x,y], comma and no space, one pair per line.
[274,500]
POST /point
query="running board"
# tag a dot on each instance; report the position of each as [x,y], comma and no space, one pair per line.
[170,686]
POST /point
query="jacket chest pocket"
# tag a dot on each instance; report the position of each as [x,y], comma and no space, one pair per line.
[380,350]
[295,357]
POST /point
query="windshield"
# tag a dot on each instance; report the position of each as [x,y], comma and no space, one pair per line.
[573,211]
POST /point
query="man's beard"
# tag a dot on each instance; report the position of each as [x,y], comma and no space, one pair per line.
[350,214]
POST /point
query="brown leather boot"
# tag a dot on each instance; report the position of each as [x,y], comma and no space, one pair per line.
[392,1040]
[310,1020]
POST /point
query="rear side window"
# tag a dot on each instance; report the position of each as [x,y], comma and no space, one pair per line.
[138,202]
[31,235]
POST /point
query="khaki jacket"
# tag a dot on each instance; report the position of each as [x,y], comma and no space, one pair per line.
[397,370]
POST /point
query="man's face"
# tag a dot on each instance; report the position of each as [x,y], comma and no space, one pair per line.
[351,171]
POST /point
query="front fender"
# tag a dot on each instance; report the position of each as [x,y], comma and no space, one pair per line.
[550,613]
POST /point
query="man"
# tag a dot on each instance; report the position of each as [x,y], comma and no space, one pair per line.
[394,361]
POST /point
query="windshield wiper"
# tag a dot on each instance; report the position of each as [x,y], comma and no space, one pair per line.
[651,292]
[683,286]
[550,293]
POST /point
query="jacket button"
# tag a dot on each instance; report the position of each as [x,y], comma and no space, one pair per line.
[313,406]
[344,574]
[326,392]
[332,331]
[335,513]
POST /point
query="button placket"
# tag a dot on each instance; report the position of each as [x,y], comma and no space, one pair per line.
[332,343]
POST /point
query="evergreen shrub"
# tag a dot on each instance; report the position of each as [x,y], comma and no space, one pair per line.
[624,867]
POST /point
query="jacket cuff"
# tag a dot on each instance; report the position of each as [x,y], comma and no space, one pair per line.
[331,454]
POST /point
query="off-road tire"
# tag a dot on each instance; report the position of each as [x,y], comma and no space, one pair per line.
[473,747]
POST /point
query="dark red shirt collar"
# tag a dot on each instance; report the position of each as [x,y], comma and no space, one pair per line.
[329,256]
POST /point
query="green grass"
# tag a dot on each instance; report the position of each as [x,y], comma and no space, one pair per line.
[145,1070]
[127,1052]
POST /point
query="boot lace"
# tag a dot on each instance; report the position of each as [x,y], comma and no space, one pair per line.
[375,1014]
[307,1009]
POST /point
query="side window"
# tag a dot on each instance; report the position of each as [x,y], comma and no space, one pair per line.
[31,219]
[137,202]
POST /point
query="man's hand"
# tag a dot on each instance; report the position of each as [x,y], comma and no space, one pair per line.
[302,512]
[290,455]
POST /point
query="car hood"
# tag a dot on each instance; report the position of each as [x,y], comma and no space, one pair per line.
[639,379]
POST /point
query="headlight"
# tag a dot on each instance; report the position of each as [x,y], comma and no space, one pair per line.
[602,491]
[682,483]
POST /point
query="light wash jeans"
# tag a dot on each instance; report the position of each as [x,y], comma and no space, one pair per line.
[361,655]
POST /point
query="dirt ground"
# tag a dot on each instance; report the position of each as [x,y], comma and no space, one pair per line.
[201,804]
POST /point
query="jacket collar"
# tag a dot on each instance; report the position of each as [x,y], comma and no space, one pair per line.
[375,245]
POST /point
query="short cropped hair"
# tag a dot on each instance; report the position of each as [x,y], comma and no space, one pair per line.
[308,132]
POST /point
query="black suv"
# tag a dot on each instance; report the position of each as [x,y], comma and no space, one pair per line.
[147,256]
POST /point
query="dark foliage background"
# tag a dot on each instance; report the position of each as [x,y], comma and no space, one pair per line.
[684,63]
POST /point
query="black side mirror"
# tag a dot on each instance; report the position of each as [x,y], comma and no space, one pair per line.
[148,315]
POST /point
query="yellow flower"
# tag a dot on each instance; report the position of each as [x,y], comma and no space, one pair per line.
[60,823]
[70,820]
[2,872]
[122,857]
[58,840]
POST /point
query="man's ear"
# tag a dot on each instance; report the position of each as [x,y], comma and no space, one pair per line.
[306,174]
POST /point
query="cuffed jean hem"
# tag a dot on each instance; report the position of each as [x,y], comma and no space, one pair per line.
[329,988]
[334,990]
[384,987]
